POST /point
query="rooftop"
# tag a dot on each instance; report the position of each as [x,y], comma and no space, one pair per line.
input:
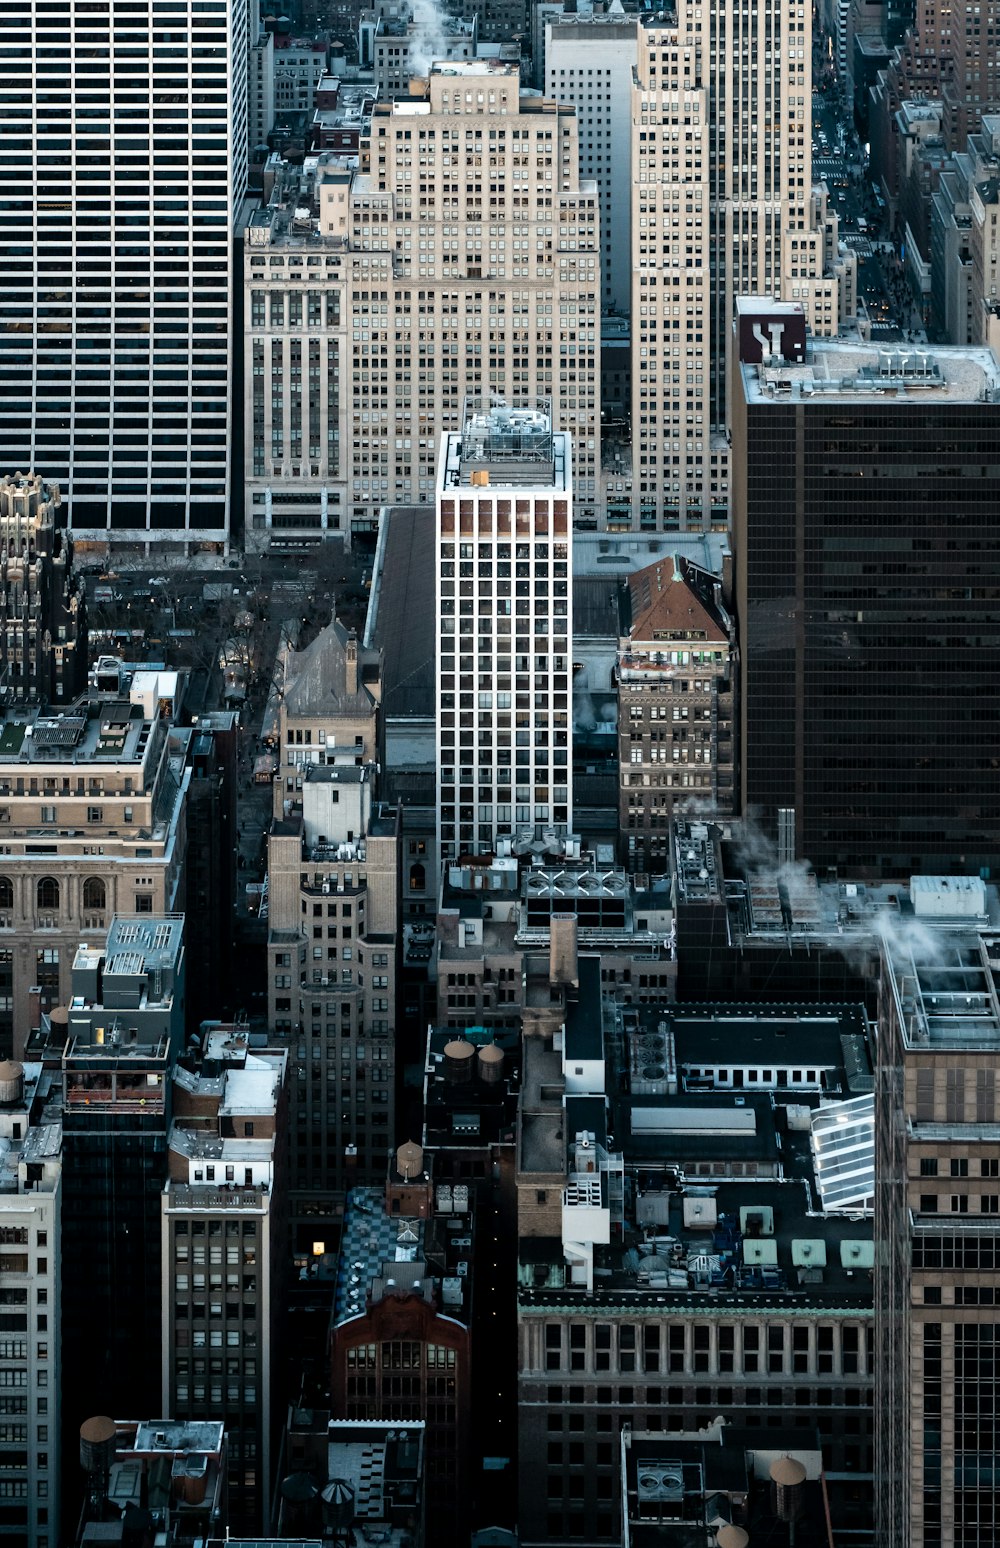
[945,986]
[859,373]
[471,1101]
[380,1253]
[401,612]
[90,731]
[506,447]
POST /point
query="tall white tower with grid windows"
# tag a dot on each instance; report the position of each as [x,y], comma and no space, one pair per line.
[505,630]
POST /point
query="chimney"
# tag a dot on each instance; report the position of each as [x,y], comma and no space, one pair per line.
[351,670]
[563,965]
[34,1008]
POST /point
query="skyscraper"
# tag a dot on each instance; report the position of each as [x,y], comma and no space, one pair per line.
[865,492]
[461,257]
[721,206]
[937,1223]
[43,605]
[504,605]
[125,134]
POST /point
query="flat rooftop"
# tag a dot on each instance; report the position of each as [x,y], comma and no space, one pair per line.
[92,731]
[178,1435]
[946,988]
[379,1251]
[851,372]
[473,67]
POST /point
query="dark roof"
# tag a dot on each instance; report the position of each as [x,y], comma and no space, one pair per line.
[316,678]
[595,605]
[584,1033]
[404,619]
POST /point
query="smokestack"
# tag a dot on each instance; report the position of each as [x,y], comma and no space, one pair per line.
[563,959]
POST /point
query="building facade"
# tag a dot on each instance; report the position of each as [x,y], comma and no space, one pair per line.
[505,603]
[333,923]
[92,802]
[137,432]
[223,1255]
[43,607]
[30,1265]
[675,704]
[937,1205]
[846,641]
[589,62]
[460,257]
[721,206]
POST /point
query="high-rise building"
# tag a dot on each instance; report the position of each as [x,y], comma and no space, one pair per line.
[118,243]
[589,62]
[505,611]
[937,1222]
[92,802]
[864,492]
[333,921]
[721,206]
[31,1348]
[675,704]
[43,610]
[461,258]
[224,1255]
[113,1049]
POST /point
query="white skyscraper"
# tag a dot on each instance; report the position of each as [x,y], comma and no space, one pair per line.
[505,629]
[589,62]
[125,136]
[721,207]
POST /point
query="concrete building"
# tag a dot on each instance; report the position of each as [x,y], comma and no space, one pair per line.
[710,224]
[400,1338]
[505,500]
[178,1466]
[136,433]
[333,922]
[964,217]
[938,1199]
[676,658]
[404,46]
[834,707]
[328,711]
[677,1259]
[299,65]
[491,283]
[43,607]
[373,1470]
[589,62]
[224,1256]
[260,91]
[30,1266]
[92,802]
[111,1052]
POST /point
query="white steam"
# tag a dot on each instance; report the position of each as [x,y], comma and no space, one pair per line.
[428,42]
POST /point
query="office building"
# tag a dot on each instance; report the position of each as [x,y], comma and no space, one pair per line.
[676,654]
[401,1331]
[867,682]
[211,870]
[328,711]
[721,206]
[964,215]
[43,608]
[299,65]
[936,1223]
[135,431]
[93,812]
[333,921]
[726,1484]
[30,1267]
[123,1464]
[113,1050]
[223,1255]
[467,232]
[681,1255]
[504,524]
[370,1472]
[589,62]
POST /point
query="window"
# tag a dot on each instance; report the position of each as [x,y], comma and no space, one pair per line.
[6,892]
[94,894]
[48,893]
[144,902]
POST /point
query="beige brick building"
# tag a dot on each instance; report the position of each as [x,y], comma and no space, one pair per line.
[92,823]
[458,256]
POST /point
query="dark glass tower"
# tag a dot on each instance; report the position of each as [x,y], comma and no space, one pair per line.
[866,492]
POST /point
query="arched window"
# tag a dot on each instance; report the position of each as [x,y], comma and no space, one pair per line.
[48,893]
[6,892]
[418,879]
[94,894]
